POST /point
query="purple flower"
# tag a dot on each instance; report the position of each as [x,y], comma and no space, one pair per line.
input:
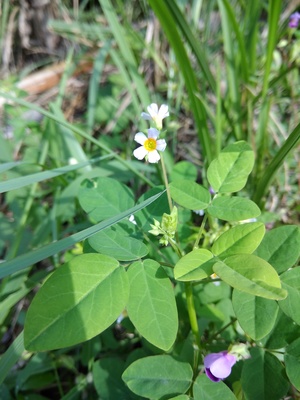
[294,20]
[218,365]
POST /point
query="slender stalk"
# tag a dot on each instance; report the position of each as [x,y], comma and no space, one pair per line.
[164,171]
[201,229]
[194,323]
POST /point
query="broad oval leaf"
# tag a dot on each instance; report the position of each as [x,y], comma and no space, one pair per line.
[103,198]
[292,363]
[115,244]
[241,239]
[151,305]
[229,172]
[190,194]
[195,265]
[250,274]
[284,332]
[205,389]
[107,377]
[77,302]
[183,170]
[263,376]
[233,208]
[281,247]
[157,376]
[256,315]
[291,282]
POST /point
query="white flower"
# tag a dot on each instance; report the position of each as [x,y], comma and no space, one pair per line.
[149,146]
[157,115]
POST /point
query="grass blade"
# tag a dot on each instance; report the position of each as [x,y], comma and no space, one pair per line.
[126,51]
[25,260]
[22,181]
[264,183]
[77,130]
[11,356]
[168,24]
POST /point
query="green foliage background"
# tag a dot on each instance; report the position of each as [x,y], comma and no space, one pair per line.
[92,306]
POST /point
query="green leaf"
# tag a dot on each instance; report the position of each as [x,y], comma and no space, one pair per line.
[190,194]
[194,266]
[22,181]
[252,275]
[263,376]
[104,198]
[23,261]
[242,239]
[256,315]
[9,165]
[291,282]
[284,332]
[77,302]
[292,363]
[281,247]
[229,172]
[154,211]
[11,356]
[183,170]
[157,376]
[270,172]
[169,26]
[151,305]
[233,208]
[205,389]
[115,244]
[107,377]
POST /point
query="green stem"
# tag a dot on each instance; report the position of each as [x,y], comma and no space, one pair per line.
[194,323]
[196,245]
[164,171]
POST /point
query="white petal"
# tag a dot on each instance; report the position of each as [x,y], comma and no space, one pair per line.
[146,116]
[140,137]
[153,156]
[161,144]
[140,152]
[163,111]
[153,133]
[152,109]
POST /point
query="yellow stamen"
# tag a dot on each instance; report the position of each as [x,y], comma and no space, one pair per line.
[150,144]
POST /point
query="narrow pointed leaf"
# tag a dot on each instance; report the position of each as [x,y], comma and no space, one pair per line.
[23,261]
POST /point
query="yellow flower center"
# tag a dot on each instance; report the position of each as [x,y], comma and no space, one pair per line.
[150,144]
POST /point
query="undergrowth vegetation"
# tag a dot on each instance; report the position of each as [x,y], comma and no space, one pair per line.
[149,206]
